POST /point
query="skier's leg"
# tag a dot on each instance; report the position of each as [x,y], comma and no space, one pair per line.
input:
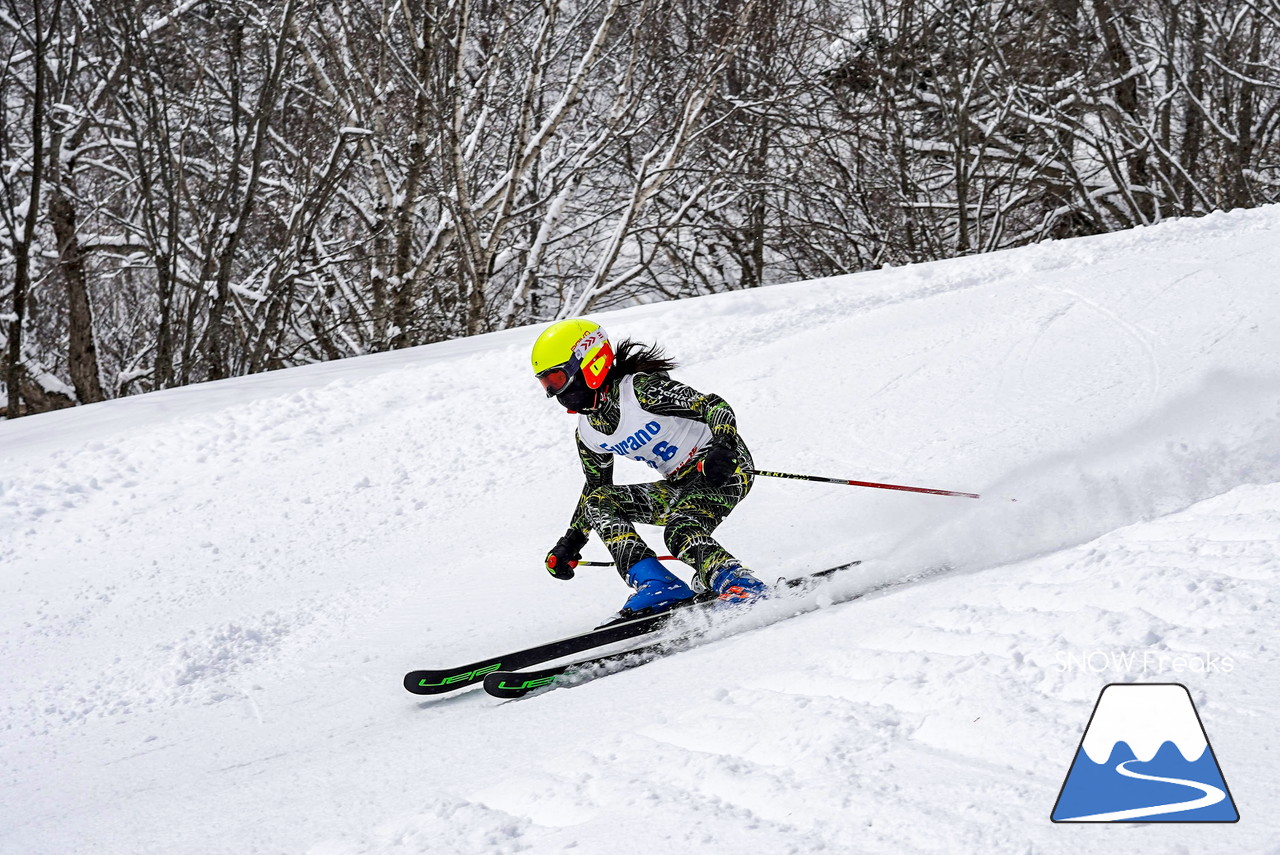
[614,510]
[697,511]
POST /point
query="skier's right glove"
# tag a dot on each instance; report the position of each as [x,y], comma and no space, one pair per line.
[564,556]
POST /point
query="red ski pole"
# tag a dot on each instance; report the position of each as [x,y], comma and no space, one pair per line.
[875,484]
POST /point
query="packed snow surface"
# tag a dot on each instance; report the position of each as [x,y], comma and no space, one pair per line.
[210,595]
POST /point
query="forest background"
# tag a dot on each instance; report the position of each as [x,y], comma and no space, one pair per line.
[199,189]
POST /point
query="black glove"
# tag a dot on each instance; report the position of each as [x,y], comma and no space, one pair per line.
[720,462]
[564,556]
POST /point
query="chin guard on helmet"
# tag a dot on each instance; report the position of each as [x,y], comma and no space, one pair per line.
[578,397]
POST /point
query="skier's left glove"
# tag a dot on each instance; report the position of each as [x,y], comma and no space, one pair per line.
[564,556]
[720,462]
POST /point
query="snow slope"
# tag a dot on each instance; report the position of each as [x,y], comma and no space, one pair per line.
[208,595]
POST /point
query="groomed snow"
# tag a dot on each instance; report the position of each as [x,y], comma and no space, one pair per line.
[208,596]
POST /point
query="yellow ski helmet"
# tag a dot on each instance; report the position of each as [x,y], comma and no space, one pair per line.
[568,347]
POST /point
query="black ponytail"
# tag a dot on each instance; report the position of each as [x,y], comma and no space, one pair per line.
[635,357]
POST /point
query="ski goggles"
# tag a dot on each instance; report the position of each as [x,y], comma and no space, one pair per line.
[556,378]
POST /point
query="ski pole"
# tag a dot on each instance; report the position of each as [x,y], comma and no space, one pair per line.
[610,563]
[878,486]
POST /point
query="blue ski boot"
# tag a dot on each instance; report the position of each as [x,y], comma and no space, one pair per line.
[656,588]
[735,584]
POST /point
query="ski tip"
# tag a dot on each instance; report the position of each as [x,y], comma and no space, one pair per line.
[831,571]
[414,682]
[812,578]
[429,682]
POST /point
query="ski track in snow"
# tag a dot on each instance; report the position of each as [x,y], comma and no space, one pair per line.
[210,594]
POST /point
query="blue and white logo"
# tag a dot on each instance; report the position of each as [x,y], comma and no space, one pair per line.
[1145,757]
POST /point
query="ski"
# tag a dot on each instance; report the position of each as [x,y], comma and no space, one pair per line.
[438,681]
[517,684]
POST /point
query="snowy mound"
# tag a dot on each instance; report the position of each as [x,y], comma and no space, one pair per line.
[208,596]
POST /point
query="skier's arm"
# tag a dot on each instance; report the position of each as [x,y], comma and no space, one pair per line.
[564,556]
[598,471]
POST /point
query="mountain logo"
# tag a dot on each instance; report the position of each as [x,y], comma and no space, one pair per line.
[1144,757]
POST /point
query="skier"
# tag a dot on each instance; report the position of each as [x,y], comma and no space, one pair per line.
[628,406]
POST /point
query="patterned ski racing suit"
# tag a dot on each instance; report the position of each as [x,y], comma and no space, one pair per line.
[686,506]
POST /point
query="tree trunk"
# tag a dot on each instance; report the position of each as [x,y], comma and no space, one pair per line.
[82,352]
[1238,195]
[22,247]
[1127,99]
[1193,118]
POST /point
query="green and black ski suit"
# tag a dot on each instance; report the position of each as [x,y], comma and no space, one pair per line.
[683,503]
